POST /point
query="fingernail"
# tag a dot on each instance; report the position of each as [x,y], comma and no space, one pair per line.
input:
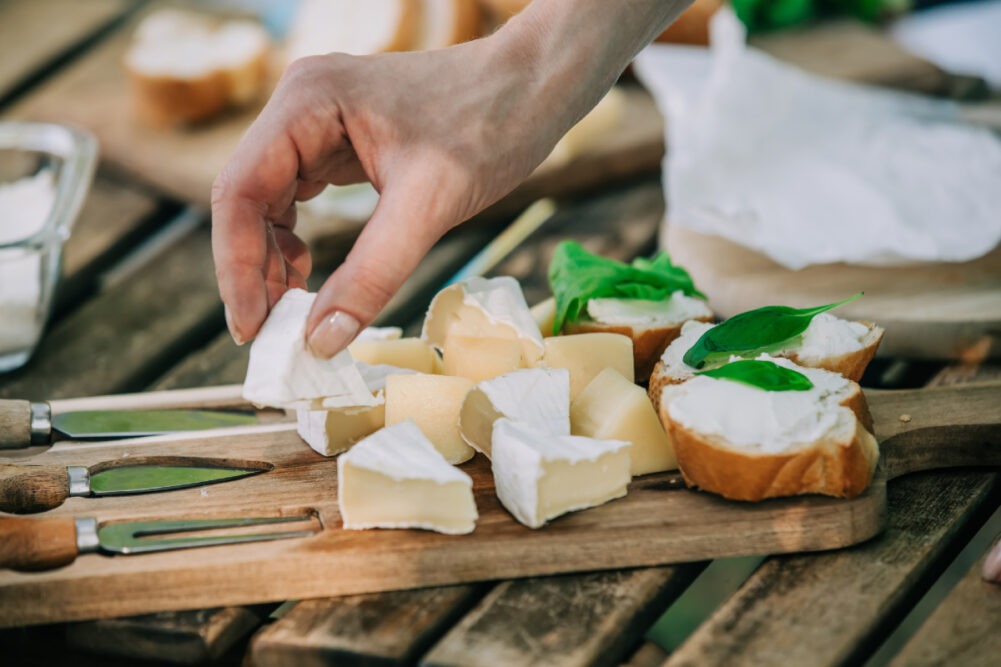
[334,334]
[992,565]
[237,338]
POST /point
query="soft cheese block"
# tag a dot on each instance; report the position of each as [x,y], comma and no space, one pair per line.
[544,313]
[537,396]
[482,308]
[330,432]
[481,358]
[395,478]
[412,353]
[283,372]
[433,403]
[540,476]
[586,355]
[612,408]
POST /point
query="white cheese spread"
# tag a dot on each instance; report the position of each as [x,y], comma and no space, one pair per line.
[642,313]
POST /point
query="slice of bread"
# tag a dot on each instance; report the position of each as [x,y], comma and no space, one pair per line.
[650,333]
[444,23]
[356,28]
[815,348]
[186,67]
[744,443]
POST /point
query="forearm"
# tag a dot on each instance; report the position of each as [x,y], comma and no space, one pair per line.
[574,50]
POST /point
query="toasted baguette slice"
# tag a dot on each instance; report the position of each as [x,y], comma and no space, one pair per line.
[447,22]
[815,348]
[747,444]
[349,26]
[651,332]
[185,67]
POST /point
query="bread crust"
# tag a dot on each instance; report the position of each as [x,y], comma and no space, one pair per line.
[407,28]
[649,343]
[163,101]
[829,467]
[468,21]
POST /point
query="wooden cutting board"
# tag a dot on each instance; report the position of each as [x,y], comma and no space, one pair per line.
[656,523]
[929,310]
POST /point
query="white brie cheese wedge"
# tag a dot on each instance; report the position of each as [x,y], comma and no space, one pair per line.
[537,396]
[283,372]
[378,333]
[540,476]
[484,308]
[395,478]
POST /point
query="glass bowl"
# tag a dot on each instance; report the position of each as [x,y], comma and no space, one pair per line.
[45,173]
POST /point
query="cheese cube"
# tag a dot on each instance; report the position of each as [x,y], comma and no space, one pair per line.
[331,432]
[412,353]
[613,408]
[544,314]
[433,403]
[482,308]
[539,396]
[395,478]
[586,355]
[481,358]
[283,372]
[540,476]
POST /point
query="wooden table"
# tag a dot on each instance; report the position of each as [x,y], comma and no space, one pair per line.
[138,308]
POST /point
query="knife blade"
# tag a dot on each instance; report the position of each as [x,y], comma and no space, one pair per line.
[26,489]
[23,423]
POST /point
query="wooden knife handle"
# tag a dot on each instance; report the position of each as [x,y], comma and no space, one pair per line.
[30,489]
[15,424]
[223,397]
[943,427]
[31,545]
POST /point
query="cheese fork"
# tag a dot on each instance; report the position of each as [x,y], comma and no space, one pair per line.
[31,545]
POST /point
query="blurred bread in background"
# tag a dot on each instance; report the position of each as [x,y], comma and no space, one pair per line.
[350,26]
[185,67]
[692,27]
[448,22]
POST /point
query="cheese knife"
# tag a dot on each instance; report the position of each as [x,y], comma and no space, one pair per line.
[26,489]
[32,545]
[23,423]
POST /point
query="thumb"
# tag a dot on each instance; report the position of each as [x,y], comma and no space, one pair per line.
[391,245]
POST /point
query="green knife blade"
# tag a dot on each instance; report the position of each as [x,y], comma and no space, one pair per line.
[132,423]
[153,478]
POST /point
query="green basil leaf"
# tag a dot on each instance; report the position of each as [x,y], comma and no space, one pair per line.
[576,276]
[759,330]
[765,375]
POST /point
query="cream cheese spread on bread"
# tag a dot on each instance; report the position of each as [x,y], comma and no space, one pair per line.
[827,336]
[641,312]
[757,421]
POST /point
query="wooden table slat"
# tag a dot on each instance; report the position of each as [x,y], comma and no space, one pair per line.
[590,619]
[963,630]
[388,628]
[33,34]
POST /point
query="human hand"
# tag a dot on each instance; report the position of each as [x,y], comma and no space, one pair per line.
[992,564]
[440,134]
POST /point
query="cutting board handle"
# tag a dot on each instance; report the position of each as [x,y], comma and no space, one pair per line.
[31,545]
[942,427]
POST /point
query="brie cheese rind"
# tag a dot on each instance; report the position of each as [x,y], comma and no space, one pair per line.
[540,476]
[283,372]
[613,408]
[537,396]
[378,333]
[587,354]
[332,431]
[484,308]
[432,402]
[395,478]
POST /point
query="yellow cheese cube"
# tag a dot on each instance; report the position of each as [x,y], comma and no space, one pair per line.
[433,402]
[412,353]
[481,358]
[544,313]
[586,355]
[613,408]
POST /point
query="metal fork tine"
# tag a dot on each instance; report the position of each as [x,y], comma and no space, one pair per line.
[127,537]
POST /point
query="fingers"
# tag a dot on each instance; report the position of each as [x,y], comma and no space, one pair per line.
[388,250]
[992,565]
